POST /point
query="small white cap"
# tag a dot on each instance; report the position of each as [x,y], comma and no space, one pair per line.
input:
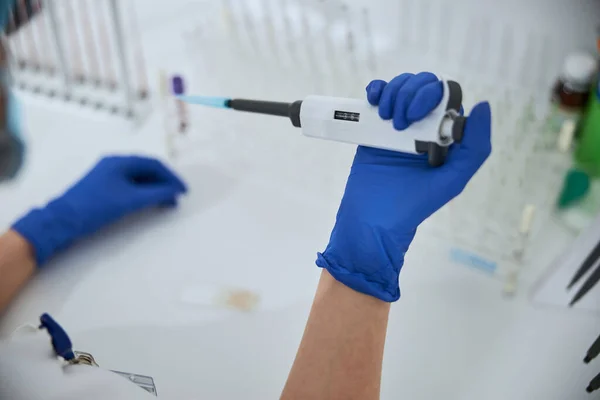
[579,69]
[510,284]
[527,219]
[566,135]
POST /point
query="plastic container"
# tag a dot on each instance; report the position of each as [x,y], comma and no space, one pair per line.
[588,150]
[571,92]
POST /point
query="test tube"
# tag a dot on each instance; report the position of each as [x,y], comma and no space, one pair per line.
[352,64]
[74,46]
[20,45]
[524,230]
[178,87]
[229,20]
[202,65]
[43,37]
[406,24]
[424,25]
[249,27]
[484,45]
[122,58]
[444,30]
[469,54]
[368,39]
[36,38]
[528,60]
[289,32]
[59,47]
[139,61]
[93,62]
[105,50]
[329,48]
[312,66]
[10,44]
[545,64]
[25,34]
[270,27]
[350,38]
[163,94]
[506,51]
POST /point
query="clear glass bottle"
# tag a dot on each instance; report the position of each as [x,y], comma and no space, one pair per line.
[577,200]
[571,92]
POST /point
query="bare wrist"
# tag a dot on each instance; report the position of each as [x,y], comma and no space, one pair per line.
[328,285]
[17,266]
[19,247]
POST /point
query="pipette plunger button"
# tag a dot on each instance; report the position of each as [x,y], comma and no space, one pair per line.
[458,128]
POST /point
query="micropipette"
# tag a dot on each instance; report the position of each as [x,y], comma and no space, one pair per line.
[356,121]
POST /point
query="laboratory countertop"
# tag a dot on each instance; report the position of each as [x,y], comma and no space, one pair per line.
[124,295]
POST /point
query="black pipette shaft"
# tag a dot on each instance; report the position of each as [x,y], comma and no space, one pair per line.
[589,262]
[587,286]
[261,107]
[290,110]
[593,351]
[594,384]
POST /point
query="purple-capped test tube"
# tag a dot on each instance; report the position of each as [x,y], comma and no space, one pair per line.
[177,85]
[178,88]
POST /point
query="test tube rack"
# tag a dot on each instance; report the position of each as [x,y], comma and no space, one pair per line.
[284,50]
[326,43]
[86,52]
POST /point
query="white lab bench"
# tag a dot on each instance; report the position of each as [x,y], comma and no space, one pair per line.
[120,294]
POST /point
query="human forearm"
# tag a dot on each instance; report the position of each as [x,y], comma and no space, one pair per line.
[388,195]
[115,187]
[341,352]
[17,265]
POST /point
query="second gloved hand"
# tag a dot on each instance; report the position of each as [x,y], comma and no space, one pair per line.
[115,187]
[389,194]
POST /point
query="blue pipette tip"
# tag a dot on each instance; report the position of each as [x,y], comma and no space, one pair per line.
[209,101]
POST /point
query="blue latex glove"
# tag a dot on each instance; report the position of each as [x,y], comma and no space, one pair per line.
[115,187]
[389,194]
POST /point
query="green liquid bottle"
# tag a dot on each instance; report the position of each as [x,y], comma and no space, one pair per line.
[588,150]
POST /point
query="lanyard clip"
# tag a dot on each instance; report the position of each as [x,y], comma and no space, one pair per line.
[61,343]
[83,358]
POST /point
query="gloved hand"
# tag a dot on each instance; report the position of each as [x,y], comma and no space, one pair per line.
[389,194]
[115,187]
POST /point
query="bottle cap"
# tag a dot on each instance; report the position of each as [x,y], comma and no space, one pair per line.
[177,85]
[579,70]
